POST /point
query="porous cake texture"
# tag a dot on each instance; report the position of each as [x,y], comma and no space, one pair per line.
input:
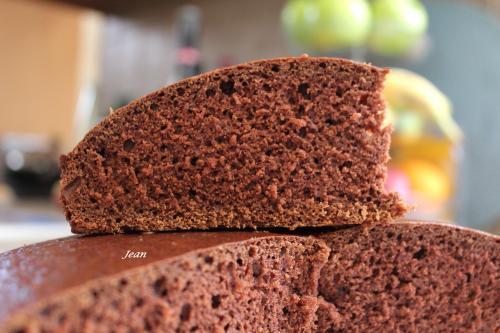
[403,277]
[286,142]
[412,278]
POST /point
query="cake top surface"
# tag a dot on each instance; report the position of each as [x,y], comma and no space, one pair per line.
[33,272]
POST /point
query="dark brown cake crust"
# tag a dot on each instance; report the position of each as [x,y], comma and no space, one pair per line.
[285,142]
[406,277]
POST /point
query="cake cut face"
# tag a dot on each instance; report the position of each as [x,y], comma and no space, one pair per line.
[411,277]
[286,142]
[403,277]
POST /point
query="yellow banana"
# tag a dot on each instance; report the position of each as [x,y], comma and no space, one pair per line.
[407,90]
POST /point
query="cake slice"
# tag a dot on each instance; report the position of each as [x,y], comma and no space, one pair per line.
[286,142]
[402,277]
[177,282]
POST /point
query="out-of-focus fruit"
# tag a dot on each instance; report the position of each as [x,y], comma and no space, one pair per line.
[398,25]
[410,124]
[296,17]
[327,25]
[405,90]
[427,179]
[397,181]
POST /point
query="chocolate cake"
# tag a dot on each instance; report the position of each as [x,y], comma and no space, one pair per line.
[187,282]
[285,142]
[402,277]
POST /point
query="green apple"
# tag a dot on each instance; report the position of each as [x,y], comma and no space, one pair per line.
[327,25]
[398,25]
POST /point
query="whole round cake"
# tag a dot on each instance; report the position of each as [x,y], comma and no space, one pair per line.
[403,277]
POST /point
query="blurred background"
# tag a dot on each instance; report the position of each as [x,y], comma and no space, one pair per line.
[64,64]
